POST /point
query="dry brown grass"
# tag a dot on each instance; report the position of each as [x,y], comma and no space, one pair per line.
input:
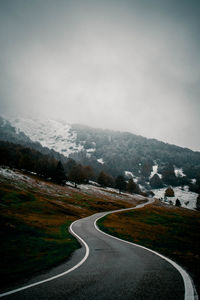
[169,230]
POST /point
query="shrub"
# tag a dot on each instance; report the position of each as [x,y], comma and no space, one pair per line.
[178,203]
[169,192]
[198,203]
[156,182]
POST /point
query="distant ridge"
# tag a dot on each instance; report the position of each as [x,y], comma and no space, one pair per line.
[111,151]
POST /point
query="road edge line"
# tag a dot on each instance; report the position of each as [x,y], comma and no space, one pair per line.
[190,291]
[58,275]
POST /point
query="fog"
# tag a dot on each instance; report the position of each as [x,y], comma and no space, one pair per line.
[124,65]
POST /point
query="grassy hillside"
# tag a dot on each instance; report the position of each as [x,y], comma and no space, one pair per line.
[35,216]
[171,231]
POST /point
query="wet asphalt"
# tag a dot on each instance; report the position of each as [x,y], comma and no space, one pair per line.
[114,270]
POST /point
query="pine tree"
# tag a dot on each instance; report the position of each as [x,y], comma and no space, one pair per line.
[198,203]
[105,179]
[169,192]
[178,203]
[102,178]
[168,175]
[120,183]
[88,173]
[77,175]
[59,174]
[132,187]
[156,182]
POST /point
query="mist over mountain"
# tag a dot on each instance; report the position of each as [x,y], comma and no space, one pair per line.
[12,134]
[151,163]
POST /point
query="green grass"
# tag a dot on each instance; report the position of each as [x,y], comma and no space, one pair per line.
[34,234]
[29,250]
[15,198]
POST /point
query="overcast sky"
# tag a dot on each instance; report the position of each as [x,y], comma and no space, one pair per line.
[126,65]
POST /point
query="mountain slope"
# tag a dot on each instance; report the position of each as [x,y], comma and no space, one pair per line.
[52,134]
[150,162]
[12,134]
[34,216]
[123,151]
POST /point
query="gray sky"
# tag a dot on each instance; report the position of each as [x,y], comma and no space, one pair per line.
[125,65]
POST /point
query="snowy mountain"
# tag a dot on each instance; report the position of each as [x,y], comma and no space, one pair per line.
[49,133]
[151,163]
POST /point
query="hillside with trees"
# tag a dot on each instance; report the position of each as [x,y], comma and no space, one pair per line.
[8,133]
[32,161]
[29,160]
[149,162]
[116,152]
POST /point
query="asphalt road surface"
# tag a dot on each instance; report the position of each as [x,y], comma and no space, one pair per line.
[110,269]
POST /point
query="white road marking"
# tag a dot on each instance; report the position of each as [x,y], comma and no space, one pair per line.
[190,292]
[56,276]
[61,274]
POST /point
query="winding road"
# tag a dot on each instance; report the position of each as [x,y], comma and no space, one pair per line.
[108,268]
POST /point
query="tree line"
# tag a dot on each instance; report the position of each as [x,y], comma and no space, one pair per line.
[123,151]
[119,183]
[28,159]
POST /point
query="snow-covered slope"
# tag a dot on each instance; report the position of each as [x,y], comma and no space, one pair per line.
[188,199]
[155,171]
[56,135]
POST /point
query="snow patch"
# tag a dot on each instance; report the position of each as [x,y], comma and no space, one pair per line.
[13,175]
[100,160]
[187,198]
[91,150]
[69,183]
[111,192]
[130,175]
[94,183]
[56,135]
[179,172]
[193,181]
[155,171]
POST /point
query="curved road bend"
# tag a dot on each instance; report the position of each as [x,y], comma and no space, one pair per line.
[113,270]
